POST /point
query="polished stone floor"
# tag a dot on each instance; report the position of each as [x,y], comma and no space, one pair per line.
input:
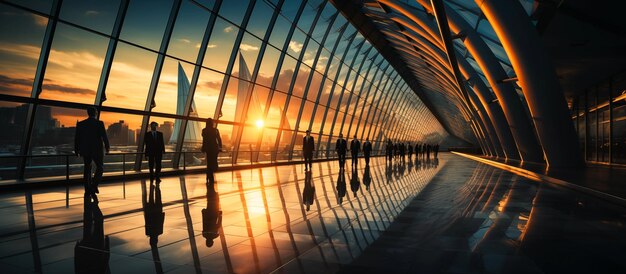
[260,220]
[453,215]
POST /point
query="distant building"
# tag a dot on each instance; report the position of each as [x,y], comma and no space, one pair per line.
[119,134]
[166,128]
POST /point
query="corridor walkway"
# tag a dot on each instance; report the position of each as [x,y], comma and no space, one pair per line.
[265,222]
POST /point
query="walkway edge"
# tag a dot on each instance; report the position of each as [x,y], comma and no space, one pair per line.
[538,177]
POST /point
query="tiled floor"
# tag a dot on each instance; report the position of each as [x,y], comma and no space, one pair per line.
[450,216]
[253,221]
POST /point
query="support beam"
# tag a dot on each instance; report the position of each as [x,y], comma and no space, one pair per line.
[538,80]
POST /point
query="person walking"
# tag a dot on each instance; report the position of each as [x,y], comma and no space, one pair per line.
[154,147]
[89,140]
[410,152]
[355,147]
[308,145]
[367,151]
[341,148]
[211,146]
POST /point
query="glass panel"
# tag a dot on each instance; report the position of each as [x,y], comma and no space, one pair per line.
[260,19]
[173,88]
[123,131]
[310,53]
[53,131]
[322,61]
[296,43]
[207,93]
[268,143]
[319,117]
[74,65]
[314,87]
[188,32]
[290,9]
[232,98]
[284,147]
[224,158]
[322,23]
[300,84]
[305,119]
[248,143]
[145,22]
[21,34]
[234,10]
[220,45]
[592,126]
[286,74]
[98,15]
[249,49]
[268,66]
[280,31]
[12,120]
[292,112]
[276,110]
[130,77]
[619,119]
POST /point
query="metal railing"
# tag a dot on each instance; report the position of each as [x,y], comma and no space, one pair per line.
[59,166]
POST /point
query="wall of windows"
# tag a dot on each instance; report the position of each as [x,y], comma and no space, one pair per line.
[599,115]
[266,70]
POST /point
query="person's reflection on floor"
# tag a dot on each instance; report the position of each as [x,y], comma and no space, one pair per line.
[308,194]
[211,216]
[389,173]
[341,186]
[435,162]
[153,213]
[91,253]
[410,165]
[367,178]
[355,183]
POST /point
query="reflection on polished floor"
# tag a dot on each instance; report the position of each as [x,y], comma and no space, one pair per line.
[257,220]
[453,215]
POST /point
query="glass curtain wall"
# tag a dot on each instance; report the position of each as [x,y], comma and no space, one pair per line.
[599,116]
[265,70]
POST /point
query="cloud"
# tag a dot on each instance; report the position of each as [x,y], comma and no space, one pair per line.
[295,46]
[68,89]
[246,47]
[210,46]
[187,41]
[15,86]
[40,20]
[228,29]
[213,85]
[91,12]
[71,59]
[21,50]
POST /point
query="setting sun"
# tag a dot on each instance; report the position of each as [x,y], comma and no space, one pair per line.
[259,123]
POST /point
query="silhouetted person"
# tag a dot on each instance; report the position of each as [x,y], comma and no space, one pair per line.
[154,149]
[427,151]
[308,193]
[367,151]
[308,145]
[91,253]
[341,186]
[402,149]
[436,151]
[89,142]
[153,214]
[355,147]
[389,151]
[367,178]
[410,151]
[211,216]
[211,146]
[355,183]
[341,148]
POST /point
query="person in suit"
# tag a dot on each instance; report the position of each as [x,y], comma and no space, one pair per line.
[91,253]
[89,140]
[308,193]
[341,148]
[355,147]
[367,151]
[211,216]
[308,145]
[211,146]
[154,147]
